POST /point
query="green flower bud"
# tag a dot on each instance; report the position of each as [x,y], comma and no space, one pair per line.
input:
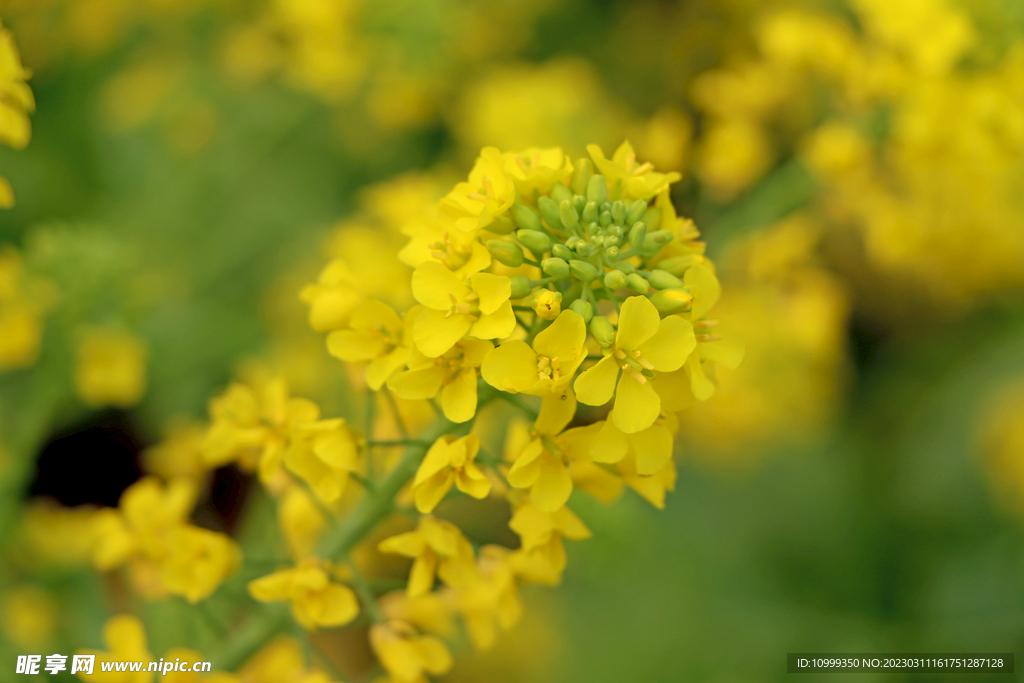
[653,218]
[525,217]
[566,212]
[606,219]
[534,240]
[614,279]
[559,193]
[506,251]
[501,225]
[582,270]
[602,331]
[562,252]
[583,309]
[579,202]
[612,252]
[555,267]
[521,286]
[654,242]
[671,301]
[636,284]
[677,265]
[583,248]
[636,211]
[637,234]
[597,189]
[589,214]
[618,212]
[581,175]
[549,210]
[659,279]
[626,267]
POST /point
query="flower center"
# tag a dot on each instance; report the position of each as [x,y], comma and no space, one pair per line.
[469,307]
[548,368]
[634,364]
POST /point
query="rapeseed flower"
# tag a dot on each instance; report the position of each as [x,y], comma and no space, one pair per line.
[449,461]
[315,600]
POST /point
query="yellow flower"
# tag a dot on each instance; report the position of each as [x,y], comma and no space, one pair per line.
[375,333]
[488,599]
[453,373]
[449,461]
[547,367]
[542,464]
[436,546]
[126,638]
[541,557]
[651,487]
[488,194]
[431,612]
[324,453]
[110,368]
[406,655]
[178,455]
[199,560]
[314,599]
[332,298]
[718,342]
[535,171]
[637,181]
[280,661]
[455,309]
[644,343]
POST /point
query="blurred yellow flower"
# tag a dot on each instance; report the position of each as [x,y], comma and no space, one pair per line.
[126,640]
[16,103]
[110,368]
[315,600]
[28,616]
[436,547]
[449,461]
[406,655]
[544,367]
[454,374]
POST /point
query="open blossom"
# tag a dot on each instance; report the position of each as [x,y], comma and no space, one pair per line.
[375,335]
[644,344]
[315,599]
[478,307]
[449,461]
[407,655]
[453,374]
[436,547]
[487,194]
[544,368]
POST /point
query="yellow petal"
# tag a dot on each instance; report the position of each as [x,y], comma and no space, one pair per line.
[669,348]
[700,385]
[496,325]
[353,345]
[611,444]
[638,322]
[436,657]
[526,468]
[373,315]
[271,587]
[653,448]
[458,398]
[418,384]
[494,290]
[473,482]
[729,350]
[556,412]
[380,369]
[431,491]
[432,285]
[596,385]
[438,457]
[637,405]
[553,487]
[421,576]
[474,351]
[511,367]
[704,286]
[434,334]
[409,544]
[338,606]
[563,339]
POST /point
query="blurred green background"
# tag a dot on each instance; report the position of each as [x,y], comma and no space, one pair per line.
[857,170]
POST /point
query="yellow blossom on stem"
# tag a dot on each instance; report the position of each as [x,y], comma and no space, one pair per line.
[544,367]
[488,599]
[652,447]
[435,547]
[488,194]
[198,562]
[449,461]
[636,181]
[542,464]
[315,600]
[454,374]
[407,655]
[541,556]
[375,334]
[644,343]
[478,307]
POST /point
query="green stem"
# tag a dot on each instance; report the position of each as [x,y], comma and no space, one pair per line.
[518,402]
[397,415]
[365,593]
[397,442]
